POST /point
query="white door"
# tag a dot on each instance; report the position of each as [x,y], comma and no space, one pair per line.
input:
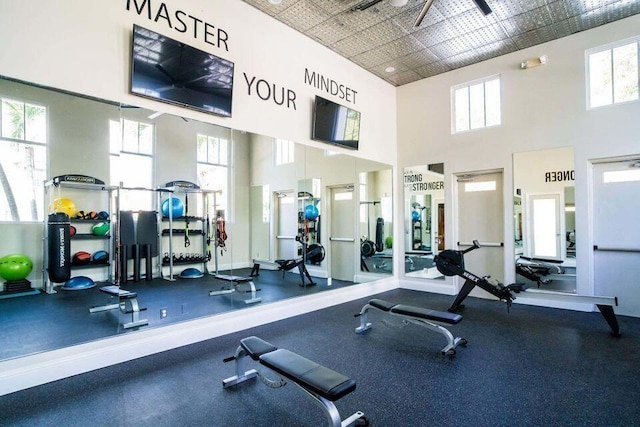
[546,226]
[616,233]
[286,245]
[342,238]
[480,217]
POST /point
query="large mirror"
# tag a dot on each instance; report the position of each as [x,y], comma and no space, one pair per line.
[423,219]
[544,219]
[265,215]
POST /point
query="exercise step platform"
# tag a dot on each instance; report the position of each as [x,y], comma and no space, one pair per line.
[322,384]
[127,304]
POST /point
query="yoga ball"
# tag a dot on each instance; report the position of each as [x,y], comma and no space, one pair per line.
[311,212]
[15,267]
[100,229]
[415,215]
[63,205]
[177,208]
[388,242]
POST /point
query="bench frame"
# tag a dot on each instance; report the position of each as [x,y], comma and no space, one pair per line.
[242,374]
[452,342]
[125,298]
[237,281]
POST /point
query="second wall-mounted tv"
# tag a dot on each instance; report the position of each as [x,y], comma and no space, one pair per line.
[171,71]
[335,124]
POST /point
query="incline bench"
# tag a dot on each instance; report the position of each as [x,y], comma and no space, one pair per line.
[323,385]
[419,316]
[127,303]
[236,281]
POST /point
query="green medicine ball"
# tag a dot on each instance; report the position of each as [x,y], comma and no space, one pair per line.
[100,229]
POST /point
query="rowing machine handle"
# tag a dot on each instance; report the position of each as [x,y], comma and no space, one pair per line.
[476,245]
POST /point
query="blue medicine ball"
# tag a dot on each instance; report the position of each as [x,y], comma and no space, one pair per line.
[177,208]
[415,215]
[311,212]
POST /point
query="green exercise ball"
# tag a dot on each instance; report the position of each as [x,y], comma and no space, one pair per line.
[388,242]
[15,267]
[100,229]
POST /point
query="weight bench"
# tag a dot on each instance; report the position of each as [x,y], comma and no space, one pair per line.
[323,385]
[237,280]
[416,315]
[127,303]
[283,265]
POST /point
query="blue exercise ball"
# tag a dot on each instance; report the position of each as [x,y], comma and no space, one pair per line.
[177,207]
[311,212]
[415,215]
[77,283]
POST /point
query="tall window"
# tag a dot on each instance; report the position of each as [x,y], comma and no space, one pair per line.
[23,160]
[612,72]
[284,152]
[476,105]
[213,168]
[131,161]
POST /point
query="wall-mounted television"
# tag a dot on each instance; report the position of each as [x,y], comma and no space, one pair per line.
[335,124]
[171,71]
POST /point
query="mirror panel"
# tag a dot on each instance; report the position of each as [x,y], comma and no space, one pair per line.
[108,141]
[424,219]
[544,218]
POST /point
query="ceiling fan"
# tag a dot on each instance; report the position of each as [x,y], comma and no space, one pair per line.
[482,5]
[364,5]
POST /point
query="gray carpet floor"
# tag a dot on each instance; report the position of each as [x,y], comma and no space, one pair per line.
[533,366]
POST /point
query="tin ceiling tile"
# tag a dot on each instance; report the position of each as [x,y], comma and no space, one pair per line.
[535,37]
[493,50]
[402,46]
[358,20]
[330,31]
[407,18]
[469,21]
[267,7]
[487,35]
[568,26]
[381,69]
[404,78]
[335,7]
[449,48]
[371,58]
[303,15]
[433,69]
[435,34]
[383,32]
[418,59]
[528,21]
[351,46]
[450,8]
[461,60]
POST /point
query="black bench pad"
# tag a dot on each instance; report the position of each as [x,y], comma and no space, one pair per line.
[256,347]
[421,313]
[321,380]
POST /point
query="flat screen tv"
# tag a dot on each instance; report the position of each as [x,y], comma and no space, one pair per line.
[335,124]
[171,71]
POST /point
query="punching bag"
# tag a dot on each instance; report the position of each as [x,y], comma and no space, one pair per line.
[380,235]
[58,228]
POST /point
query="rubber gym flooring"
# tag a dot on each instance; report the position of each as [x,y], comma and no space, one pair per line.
[44,322]
[532,366]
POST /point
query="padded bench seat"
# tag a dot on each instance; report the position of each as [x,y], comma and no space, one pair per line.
[429,319]
[127,304]
[237,280]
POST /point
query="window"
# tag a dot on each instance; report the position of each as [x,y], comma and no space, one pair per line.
[284,152]
[470,187]
[23,160]
[131,161]
[212,168]
[476,105]
[612,73]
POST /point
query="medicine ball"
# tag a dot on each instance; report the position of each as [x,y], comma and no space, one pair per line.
[72,231]
[100,257]
[81,258]
[15,267]
[311,212]
[81,215]
[415,215]
[103,215]
[63,205]
[177,207]
[100,229]
[91,215]
[77,283]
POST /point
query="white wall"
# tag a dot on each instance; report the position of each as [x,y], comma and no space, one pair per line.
[544,107]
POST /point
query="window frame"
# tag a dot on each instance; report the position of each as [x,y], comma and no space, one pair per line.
[468,85]
[291,156]
[609,47]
